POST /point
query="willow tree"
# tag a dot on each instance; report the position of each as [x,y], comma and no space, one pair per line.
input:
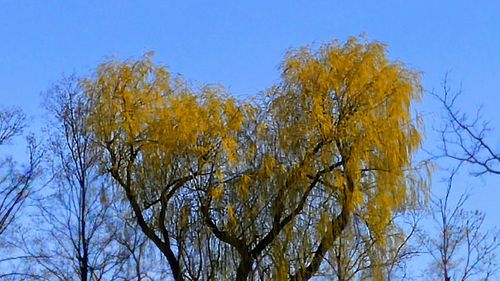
[264,188]
[335,140]
[160,137]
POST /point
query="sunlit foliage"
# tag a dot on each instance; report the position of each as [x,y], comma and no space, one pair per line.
[261,189]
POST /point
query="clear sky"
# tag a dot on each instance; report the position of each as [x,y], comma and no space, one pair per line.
[240,44]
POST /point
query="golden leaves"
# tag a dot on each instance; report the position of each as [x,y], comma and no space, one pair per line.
[231,217]
[337,129]
[218,193]
[356,103]
[142,105]
[244,186]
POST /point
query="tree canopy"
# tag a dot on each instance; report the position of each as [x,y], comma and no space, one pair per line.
[262,187]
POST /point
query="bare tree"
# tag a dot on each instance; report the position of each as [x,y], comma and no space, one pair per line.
[464,138]
[461,250]
[15,182]
[73,238]
[16,185]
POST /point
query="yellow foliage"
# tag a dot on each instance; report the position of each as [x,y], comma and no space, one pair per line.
[218,193]
[244,186]
[356,103]
[336,135]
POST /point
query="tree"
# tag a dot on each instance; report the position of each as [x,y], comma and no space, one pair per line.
[464,139]
[264,188]
[462,250]
[15,182]
[74,233]
[151,165]
[351,255]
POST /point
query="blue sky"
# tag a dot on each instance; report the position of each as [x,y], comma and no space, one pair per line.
[240,44]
